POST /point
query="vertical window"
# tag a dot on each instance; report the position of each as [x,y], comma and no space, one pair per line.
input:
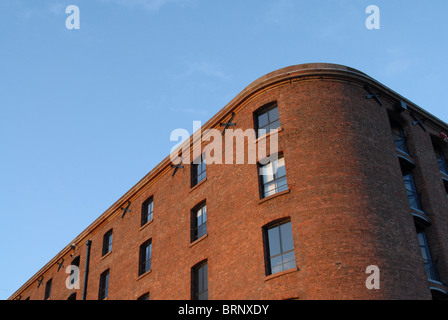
[48,289]
[279,246]
[199,221]
[198,170]
[107,242]
[430,268]
[104,285]
[411,190]
[273,177]
[267,118]
[145,257]
[441,160]
[199,282]
[399,137]
[75,264]
[147,211]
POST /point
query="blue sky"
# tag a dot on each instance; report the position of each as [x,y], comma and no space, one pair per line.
[86,113]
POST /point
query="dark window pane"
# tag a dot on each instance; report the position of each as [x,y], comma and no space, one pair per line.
[200,282]
[267,120]
[280,248]
[274,241]
[104,285]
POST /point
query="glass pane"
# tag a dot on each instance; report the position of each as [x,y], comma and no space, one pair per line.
[282,185]
[270,189]
[267,173]
[273,115]
[274,125]
[288,260]
[286,236]
[262,120]
[281,170]
[276,264]
[274,241]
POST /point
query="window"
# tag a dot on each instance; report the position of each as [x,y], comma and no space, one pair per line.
[199,221]
[104,285]
[147,211]
[399,137]
[266,119]
[199,282]
[273,177]
[198,170]
[430,269]
[144,296]
[411,190]
[48,289]
[145,257]
[107,242]
[279,246]
[441,160]
[74,276]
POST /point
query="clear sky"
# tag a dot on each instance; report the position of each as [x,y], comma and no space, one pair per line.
[86,113]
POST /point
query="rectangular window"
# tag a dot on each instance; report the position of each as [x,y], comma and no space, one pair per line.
[104,285]
[199,222]
[273,177]
[399,137]
[198,170]
[199,282]
[279,248]
[267,119]
[441,160]
[107,242]
[145,257]
[430,269]
[147,211]
[48,289]
[411,190]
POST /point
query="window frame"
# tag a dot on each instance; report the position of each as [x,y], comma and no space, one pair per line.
[199,281]
[147,216]
[107,242]
[145,262]
[267,250]
[48,286]
[275,180]
[265,109]
[400,138]
[197,230]
[198,170]
[103,291]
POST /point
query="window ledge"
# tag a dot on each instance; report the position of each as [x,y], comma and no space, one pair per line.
[197,185]
[106,255]
[198,240]
[265,136]
[281,273]
[144,275]
[274,196]
[146,224]
[436,282]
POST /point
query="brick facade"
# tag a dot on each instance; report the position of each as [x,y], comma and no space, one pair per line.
[346,201]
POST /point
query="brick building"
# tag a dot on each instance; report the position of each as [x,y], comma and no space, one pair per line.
[362,181]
